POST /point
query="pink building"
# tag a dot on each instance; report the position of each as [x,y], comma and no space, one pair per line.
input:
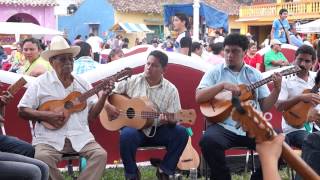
[39,12]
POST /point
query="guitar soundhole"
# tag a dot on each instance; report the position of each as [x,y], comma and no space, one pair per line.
[68,105]
[130,113]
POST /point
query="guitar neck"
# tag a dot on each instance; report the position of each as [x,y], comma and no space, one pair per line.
[94,90]
[299,165]
[13,89]
[153,115]
[259,83]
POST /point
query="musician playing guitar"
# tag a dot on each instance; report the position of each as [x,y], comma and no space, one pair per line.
[292,93]
[225,135]
[73,135]
[165,98]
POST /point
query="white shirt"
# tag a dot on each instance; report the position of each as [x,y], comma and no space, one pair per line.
[48,87]
[219,39]
[95,43]
[294,86]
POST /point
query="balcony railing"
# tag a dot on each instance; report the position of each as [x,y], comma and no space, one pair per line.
[272,10]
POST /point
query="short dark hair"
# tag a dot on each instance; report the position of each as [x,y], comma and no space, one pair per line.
[184,18]
[113,52]
[163,58]
[195,46]
[238,40]
[282,11]
[33,41]
[186,42]
[217,48]
[91,34]
[305,49]
[85,49]
[251,44]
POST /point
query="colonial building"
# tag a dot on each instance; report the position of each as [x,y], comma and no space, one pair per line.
[39,12]
[258,17]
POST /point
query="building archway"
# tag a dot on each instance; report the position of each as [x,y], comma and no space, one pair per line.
[23,17]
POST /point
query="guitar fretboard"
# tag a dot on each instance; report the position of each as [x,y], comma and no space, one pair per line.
[153,115]
[260,83]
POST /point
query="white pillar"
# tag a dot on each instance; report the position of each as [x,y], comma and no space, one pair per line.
[196,17]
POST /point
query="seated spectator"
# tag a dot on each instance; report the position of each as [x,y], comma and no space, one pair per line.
[84,61]
[295,39]
[185,43]
[115,54]
[252,58]
[35,65]
[274,58]
[196,49]
[218,55]
[169,46]
[3,55]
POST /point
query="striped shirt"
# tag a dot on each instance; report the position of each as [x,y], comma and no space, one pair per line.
[164,96]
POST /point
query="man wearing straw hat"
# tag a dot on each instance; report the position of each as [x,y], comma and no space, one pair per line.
[70,136]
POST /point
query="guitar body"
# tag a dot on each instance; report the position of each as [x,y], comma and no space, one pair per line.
[68,105]
[130,116]
[297,115]
[189,158]
[219,108]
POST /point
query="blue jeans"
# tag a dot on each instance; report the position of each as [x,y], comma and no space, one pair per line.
[311,152]
[14,145]
[15,166]
[214,142]
[173,138]
[296,138]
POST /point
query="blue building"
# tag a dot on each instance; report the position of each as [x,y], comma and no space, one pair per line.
[96,16]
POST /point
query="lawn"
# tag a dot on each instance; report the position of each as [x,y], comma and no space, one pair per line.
[148,173]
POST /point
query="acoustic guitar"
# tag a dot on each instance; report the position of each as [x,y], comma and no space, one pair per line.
[219,108]
[137,113]
[189,158]
[12,90]
[297,115]
[257,127]
[77,101]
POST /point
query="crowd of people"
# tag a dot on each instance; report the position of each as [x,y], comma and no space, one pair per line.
[235,61]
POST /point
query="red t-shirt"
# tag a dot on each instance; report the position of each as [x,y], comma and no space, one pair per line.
[253,61]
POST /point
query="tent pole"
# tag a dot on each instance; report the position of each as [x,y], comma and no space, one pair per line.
[196,8]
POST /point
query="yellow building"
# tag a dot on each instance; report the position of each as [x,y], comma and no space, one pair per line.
[258,17]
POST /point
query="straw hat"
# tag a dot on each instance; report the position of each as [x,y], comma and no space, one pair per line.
[275,41]
[59,46]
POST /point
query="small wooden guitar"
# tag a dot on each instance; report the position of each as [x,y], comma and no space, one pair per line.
[297,115]
[77,101]
[137,113]
[189,158]
[12,90]
[257,127]
[219,108]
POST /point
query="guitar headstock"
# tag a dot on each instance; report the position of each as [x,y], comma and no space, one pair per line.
[187,116]
[290,71]
[252,122]
[14,88]
[123,74]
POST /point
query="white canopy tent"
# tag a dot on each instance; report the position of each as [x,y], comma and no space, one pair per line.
[311,27]
[26,28]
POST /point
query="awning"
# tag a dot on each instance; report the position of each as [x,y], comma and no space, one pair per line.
[131,28]
[26,28]
[311,27]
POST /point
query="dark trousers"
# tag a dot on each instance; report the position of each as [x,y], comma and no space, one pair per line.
[14,145]
[96,57]
[214,142]
[296,138]
[173,138]
[311,152]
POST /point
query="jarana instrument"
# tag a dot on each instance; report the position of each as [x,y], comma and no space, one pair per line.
[219,108]
[137,113]
[257,127]
[76,101]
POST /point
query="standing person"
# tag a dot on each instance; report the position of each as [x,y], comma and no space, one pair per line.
[224,135]
[77,39]
[164,97]
[292,93]
[96,44]
[295,39]
[84,61]
[197,50]
[35,65]
[72,134]
[183,42]
[252,58]
[218,37]
[280,27]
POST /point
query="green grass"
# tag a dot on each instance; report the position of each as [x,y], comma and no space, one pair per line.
[149,173]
